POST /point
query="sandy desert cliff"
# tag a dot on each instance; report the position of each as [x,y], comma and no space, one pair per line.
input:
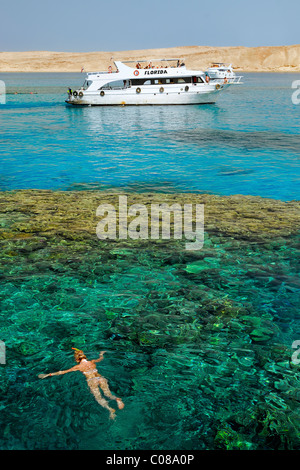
[244,59]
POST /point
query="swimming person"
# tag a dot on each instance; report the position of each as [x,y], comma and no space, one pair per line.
[93,378]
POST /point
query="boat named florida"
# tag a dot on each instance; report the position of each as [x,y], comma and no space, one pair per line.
[162,84]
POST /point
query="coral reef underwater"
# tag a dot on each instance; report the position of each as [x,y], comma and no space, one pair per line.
[199,343]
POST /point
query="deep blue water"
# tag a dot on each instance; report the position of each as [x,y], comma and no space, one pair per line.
[247,143]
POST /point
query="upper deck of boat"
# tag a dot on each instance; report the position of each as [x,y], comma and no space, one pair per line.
[143,68]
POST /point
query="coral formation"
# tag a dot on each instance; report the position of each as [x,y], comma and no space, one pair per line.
[199,342]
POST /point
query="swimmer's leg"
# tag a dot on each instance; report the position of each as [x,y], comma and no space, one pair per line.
[96,392]
[104,386]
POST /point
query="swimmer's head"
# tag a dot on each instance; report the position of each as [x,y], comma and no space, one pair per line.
[79,355]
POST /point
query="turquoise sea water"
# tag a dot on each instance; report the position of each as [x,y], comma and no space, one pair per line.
[248,143]
[198,343]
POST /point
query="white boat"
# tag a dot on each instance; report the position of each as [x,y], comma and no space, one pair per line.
[223,73]
[146,84]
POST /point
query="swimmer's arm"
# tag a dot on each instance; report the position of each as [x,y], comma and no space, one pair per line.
[60,372]
[100,357]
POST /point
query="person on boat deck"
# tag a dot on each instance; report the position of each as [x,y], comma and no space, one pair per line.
[94,380]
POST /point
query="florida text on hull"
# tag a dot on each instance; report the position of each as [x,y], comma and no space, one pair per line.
[152,85]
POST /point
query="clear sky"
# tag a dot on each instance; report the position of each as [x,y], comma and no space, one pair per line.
[117,25]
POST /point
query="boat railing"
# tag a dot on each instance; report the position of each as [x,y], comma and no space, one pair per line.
[236,79]
[103,73]
[232,80]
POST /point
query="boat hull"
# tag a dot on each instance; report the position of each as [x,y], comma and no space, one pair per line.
[133,98]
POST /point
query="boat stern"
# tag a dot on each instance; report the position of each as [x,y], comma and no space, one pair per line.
[75,97]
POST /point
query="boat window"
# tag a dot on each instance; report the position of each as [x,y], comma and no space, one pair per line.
[197,80]
[115,85]
[185,80]
[140,81]
[86,84]
[163,81]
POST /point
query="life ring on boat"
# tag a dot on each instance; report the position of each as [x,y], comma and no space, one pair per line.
[110,69]
[138,90]
[218,86]
[207,79]
[186,88]
[136,73]
[102,93]
[161,89]
[80,94]
[75,93]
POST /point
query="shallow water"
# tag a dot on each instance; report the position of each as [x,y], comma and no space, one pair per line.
[199,344]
